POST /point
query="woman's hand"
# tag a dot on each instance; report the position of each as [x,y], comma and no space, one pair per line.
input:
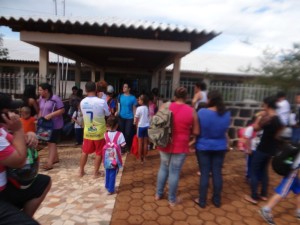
[31,139]
[12,122]
[48,117]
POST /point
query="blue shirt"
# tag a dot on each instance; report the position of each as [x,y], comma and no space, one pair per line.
[126,106]
[213,128]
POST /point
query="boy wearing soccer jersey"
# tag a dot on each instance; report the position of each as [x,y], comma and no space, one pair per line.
[93,111]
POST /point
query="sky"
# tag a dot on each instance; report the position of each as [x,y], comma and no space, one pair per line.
[248,26]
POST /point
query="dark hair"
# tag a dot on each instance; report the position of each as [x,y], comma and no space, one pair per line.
[155,91]
[5,101]
[215,99]
[74,88]
[181,92]
[144,98]
[112,121]
[90,86]
[29,92]
[271,102]
[46,86]
[102,86]
[201,85]
[79,93]
[201,105]
[281,94]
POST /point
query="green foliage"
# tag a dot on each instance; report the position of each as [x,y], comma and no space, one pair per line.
[280,69]
[3,51]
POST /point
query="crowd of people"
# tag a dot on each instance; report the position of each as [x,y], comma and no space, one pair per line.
[105,124]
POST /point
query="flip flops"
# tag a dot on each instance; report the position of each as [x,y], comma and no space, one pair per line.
[47,168]
[251,200]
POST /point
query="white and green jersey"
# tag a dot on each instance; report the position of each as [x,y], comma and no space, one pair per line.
[94,111]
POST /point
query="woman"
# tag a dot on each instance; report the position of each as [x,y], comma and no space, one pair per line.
[211,146]
[51,108]
[269,122]
[29,99]
[185,124]
[127,110]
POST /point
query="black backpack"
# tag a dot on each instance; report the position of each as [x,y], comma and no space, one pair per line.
[283,160]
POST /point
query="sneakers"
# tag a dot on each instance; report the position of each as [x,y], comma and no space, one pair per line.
[267,216]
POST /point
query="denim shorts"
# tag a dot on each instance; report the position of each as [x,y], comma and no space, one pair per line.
[142,132]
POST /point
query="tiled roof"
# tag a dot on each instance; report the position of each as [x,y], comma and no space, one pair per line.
[111,22]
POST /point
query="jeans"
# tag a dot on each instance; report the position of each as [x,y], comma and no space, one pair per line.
[295,135]
[170,167]
[211,161]
[259,172]
[110,179]
[79,135]
[126,127]
[248,165]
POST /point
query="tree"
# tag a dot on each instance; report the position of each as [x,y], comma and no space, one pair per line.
[3,51]
[280,69]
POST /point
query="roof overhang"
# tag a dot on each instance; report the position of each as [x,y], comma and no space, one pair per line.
[110,44]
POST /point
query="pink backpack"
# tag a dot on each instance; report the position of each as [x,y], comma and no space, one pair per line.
[241,144]
[111,152]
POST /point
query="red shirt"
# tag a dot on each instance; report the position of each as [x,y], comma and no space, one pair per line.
[182,126]
[28,124]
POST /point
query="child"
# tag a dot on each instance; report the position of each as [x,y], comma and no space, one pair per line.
[291,182]
[112,161]
[78,125]
[28,121]
[141,119]
[249,139]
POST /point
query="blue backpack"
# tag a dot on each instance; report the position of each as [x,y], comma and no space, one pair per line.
[111,151]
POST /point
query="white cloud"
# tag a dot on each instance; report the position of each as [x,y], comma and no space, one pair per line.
[260,23]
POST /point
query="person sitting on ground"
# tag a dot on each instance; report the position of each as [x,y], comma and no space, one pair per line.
[17,206]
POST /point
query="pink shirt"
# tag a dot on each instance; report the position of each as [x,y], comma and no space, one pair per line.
[182,126]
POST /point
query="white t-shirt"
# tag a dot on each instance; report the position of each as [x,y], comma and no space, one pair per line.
[254,140]
[283,111]
[94,111]
[78,116]
[121,140]
[142,113]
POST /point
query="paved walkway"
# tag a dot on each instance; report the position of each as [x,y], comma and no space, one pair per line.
[84,201]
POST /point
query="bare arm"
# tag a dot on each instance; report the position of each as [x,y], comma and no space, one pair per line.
[34,104]
[197,97]
[18,157]
[55,113]
[196,126]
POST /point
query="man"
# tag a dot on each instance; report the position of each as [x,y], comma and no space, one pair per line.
[295,121]
[200,95]
[283,111]
[93,110]
[17,206]
[73,100]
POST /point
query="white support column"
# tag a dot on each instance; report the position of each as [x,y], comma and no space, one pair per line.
[93,78]
[176,74]
[154,80]
[102,74]
[77,74]
[22,80]
[43,65]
